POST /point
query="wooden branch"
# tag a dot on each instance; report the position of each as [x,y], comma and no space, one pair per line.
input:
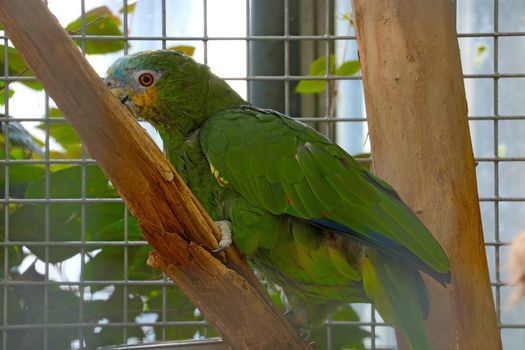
[172,220]
[417,116]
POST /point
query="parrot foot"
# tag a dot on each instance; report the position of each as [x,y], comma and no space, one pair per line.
[226,235]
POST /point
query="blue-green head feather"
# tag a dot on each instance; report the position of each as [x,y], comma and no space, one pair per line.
[169,89]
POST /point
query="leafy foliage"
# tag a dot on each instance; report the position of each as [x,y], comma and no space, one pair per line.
[63,134]
[66,222]
[318,68]
[2,95]
[187,50]
[16,67]
[98,21]
[129,9]
[347,337]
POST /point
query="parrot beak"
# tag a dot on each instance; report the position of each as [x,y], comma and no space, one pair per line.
[123,95]
[126,100]
[116,90]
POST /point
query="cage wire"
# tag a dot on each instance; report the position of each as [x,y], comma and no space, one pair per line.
[72,278]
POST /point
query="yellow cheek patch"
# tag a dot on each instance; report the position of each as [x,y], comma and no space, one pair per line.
[222,181]
[146,99]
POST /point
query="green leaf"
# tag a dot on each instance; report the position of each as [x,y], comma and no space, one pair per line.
[2,95]
[345,314]
[99,21]
[187,50]
[27,307]
[103,221]
[67,183]
[112,309]
[129,9]
[65,219]
[15,256]
[317,68]
[348,68]
[116,224]
[54,113]
[17,66]
[96,268]
[64,134]
[63,224]
[20,176]
[178,308]
[310,86]
[342,337]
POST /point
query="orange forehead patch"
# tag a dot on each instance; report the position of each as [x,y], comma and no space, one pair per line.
[146,99]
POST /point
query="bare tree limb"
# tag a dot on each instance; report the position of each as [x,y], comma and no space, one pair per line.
[417,115]
[172,220]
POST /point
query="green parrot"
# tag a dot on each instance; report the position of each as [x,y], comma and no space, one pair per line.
[308,217]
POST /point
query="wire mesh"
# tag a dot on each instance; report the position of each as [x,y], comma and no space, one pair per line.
[156,322]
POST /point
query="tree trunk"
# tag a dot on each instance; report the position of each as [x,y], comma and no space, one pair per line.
[171,219]
[417,116]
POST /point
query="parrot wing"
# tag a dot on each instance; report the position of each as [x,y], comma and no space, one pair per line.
[286,167]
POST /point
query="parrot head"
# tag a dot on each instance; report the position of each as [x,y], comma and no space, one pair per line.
[168,89]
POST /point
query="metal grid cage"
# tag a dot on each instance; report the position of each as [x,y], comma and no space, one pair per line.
[65,269]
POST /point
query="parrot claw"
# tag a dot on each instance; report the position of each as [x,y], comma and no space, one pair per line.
[226,235]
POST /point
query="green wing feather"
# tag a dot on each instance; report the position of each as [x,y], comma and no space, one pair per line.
[286,167]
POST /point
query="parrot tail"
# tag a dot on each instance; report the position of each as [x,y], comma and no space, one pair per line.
[386,246]
[399,295]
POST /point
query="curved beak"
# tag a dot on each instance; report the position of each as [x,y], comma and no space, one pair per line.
[124,95]
[121,94]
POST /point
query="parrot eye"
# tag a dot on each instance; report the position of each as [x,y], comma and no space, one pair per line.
[146,79]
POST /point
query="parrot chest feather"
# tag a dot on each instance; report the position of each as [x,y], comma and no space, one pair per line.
[192,165]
